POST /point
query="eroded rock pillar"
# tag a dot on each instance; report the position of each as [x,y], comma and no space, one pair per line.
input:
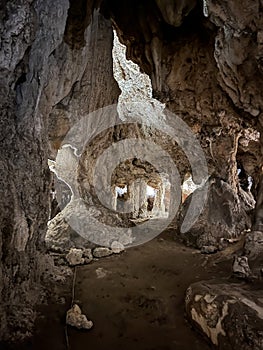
[138,198]
[159,201]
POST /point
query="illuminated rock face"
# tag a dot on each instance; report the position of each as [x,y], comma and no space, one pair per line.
[195,56]
[205,65]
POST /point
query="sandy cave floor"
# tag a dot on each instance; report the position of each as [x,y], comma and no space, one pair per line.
[135,299]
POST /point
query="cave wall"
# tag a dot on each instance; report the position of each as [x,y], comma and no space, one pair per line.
[53,54]
[204,60]
[205,63]
[195,59]
[56,65]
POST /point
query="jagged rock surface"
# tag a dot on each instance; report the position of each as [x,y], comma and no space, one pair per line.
[47,67]
[56,66]
[240,267]
[102,252]
[195,56]
[81,225]
[77,319]
[253,249]
[74,257]
[217,220]
[230,315]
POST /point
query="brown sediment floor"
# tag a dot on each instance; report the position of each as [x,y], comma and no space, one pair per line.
[135,299]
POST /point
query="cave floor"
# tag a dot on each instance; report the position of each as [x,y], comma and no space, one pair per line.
[135,299]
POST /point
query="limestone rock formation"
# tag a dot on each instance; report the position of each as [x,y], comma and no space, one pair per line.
[191,70]
[238,52]
[47,67]
[87,254]
[241,268]
[74,257]
[117,247]
[101,252]
[218,219]
[230,315]
[83,225]
[254,244]
[204,60]
[253,249]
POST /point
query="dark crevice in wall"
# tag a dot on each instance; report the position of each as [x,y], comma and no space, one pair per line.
[79,17]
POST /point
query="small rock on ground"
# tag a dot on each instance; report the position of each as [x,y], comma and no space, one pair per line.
[76,318]
[101,252]
[240,267]
[74,257]
[209,249]
[117,247]
[87,254]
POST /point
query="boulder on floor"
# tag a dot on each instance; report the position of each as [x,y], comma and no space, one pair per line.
[84,225]
[225,216]
[241,268]
[102,252]
[253,248]
[229,314]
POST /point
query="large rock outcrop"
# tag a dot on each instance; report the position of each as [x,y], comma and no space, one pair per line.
[230,315]
[218,221]
[55,59]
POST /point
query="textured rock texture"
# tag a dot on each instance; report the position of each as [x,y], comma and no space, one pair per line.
[230,315]
[55,59]
[205,63]
[24,196]
[241,268]
[238,51]
[74,257]
[77,226]
[253,249]
[204,60]
[218,220]
[76,318]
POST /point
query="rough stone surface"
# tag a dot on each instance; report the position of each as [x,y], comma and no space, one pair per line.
[253,249]
[117,247]
[178,67]
[230,315]
[87,254]
[224,216]
[254,244]
[212,44]
[240,267]
[24,194]
[77,319]
[209,249]
[81,225]
[74,257]
[204,60]
[101,252]
[238,56]
[52,70]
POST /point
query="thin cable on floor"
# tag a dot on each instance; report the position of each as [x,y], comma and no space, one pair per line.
[72,302]
[73,286]
[66,337]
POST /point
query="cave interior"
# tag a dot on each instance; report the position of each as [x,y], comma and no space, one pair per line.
[132,185]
